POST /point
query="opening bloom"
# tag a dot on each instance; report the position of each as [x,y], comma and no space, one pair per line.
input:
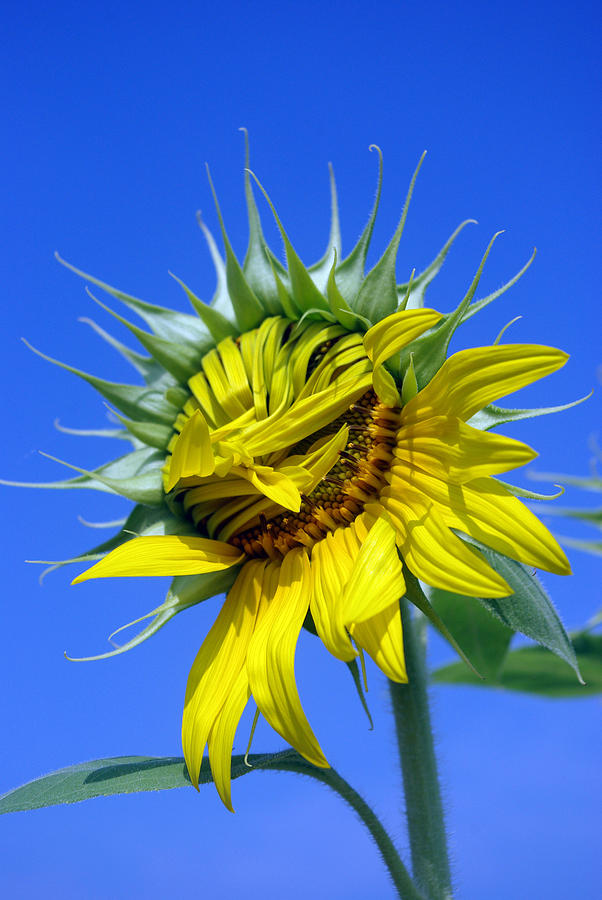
[303,452]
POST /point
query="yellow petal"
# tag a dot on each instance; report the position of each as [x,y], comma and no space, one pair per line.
[434,554]
[305,417]
[376,580]
[471,379]
[218,663]
[485,510]
[385,387]
[446,447]
[220,742]
[271,657]
[191,453]
[382,637]
[276,485]
[396,331]
[331,567]
[232,394]
[164,555]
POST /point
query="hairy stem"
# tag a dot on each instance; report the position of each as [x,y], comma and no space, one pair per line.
[424,808]
[400,876]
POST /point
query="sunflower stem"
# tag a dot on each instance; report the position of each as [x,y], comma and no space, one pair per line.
[423,804]
[405,886]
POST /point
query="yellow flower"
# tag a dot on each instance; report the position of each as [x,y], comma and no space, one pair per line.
[288,458]
[300,452]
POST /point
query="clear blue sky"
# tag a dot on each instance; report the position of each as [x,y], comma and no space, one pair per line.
[110,112]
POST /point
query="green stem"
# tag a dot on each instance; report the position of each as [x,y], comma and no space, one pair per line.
[424,808]
[400,876]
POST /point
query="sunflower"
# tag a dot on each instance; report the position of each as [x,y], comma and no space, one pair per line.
[305,445]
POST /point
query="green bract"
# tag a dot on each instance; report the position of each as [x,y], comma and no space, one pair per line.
[336,289]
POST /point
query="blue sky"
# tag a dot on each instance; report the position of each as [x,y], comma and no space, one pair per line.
[112,110]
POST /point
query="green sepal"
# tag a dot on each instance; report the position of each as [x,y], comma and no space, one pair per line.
[430,349]
[145,486]
[320,271]
[377,297]
[134,774]
[119,434]
[248,309]
[409,387]
[135,474]
[177,396]
[171,325]
[146,366]
[185,591]
[492,416]
[415,595]
[217,324]
[141,522]
[525,494]
[591,516]
[286,301]
[258,265]
[220,301]
[594,547]
[593,483]
[342,312]
[179,359]
[136,402]
[415,296]
[350,273]
[484,638]
[305,294]
[357,681]
[151,434]
[478,305]
[528,609]
[534,670]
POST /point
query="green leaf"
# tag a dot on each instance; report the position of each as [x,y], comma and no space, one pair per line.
[534,670]
[484,639]
[125,775]
[529,609]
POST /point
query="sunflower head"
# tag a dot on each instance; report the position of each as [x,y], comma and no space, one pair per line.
[303,444]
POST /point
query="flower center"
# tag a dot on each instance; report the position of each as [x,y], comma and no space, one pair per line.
[356,478]
[282,440]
